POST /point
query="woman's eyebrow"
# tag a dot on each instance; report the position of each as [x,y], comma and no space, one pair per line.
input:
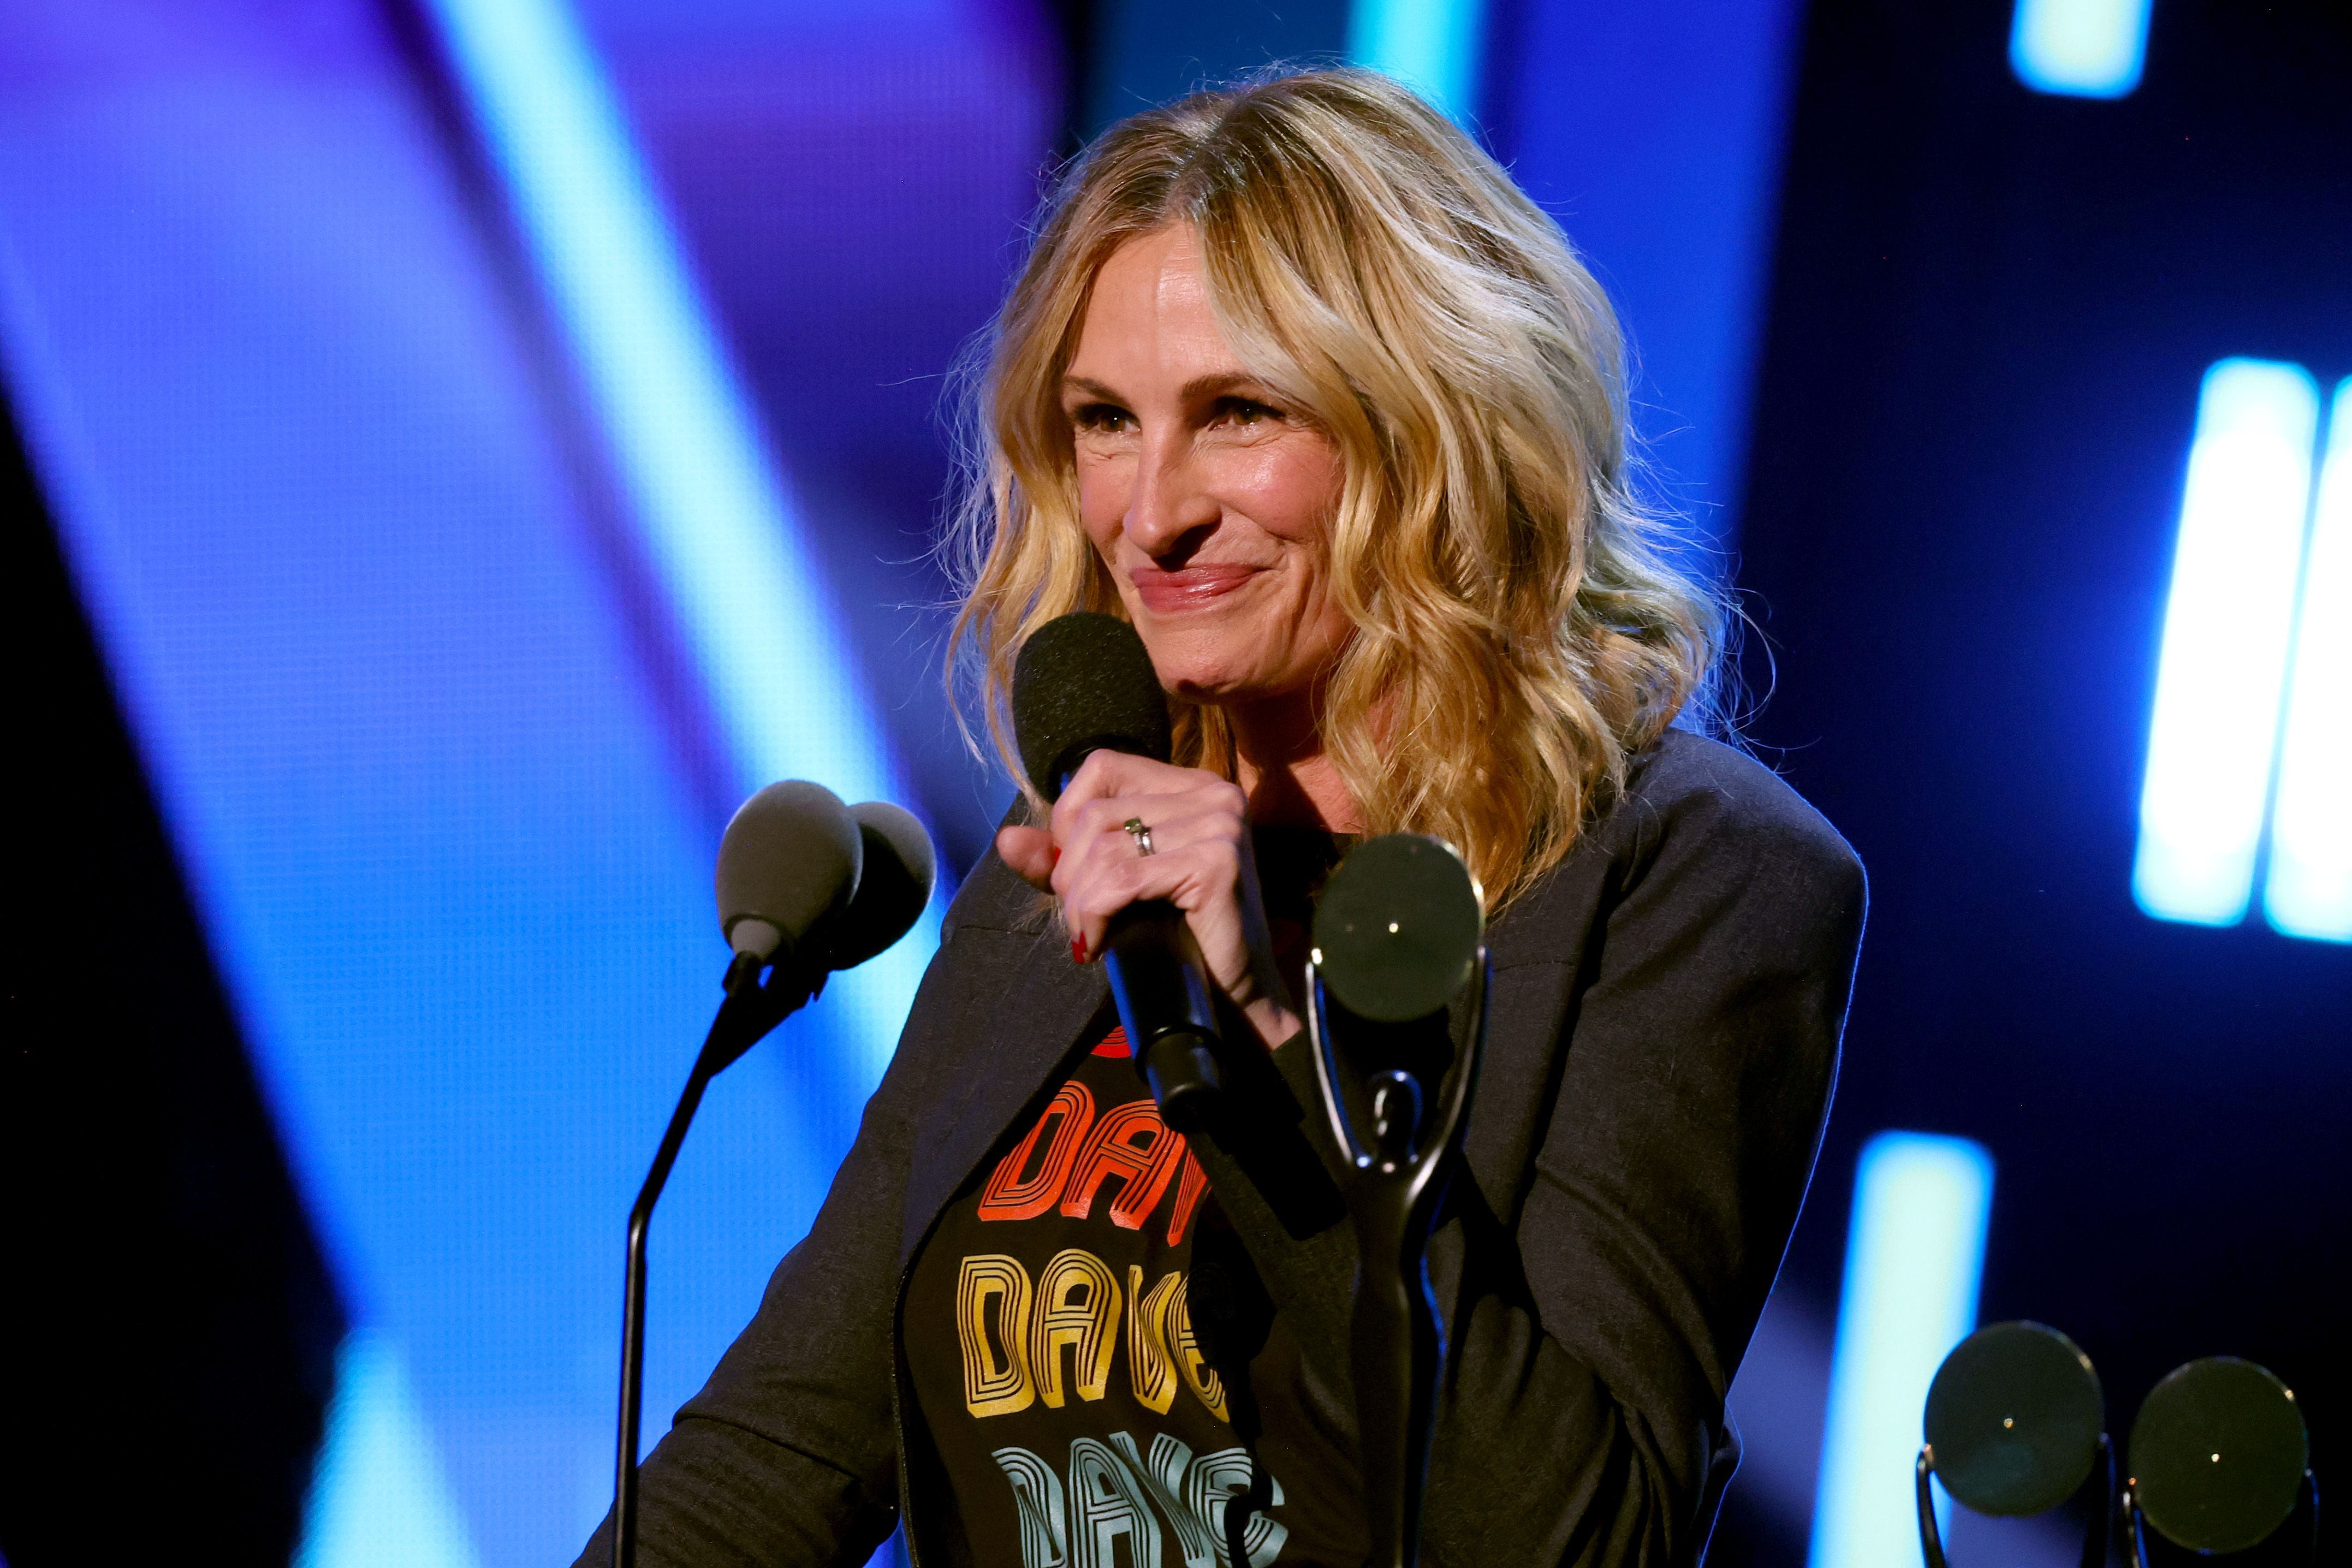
[1200,387]
[1218,382]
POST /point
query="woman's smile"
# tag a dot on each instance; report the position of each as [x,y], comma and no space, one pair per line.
[1167,591]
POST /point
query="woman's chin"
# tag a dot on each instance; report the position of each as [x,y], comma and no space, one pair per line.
[1221,685]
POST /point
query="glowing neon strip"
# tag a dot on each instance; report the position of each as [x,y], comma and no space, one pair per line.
[722,529]
[2079,48]
[2226,627]
[378,1496]
[1913,1259]
[1434,45]
[2309,891]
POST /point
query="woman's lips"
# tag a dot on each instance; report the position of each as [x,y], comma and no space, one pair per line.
[1187,588]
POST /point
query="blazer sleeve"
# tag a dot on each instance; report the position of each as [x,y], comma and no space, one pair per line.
[789,1454]
[1600,1277]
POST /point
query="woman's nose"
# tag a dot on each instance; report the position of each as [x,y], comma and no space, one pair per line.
[1169,501]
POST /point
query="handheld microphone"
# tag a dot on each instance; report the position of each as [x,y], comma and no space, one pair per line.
[806,886]
[1085,683]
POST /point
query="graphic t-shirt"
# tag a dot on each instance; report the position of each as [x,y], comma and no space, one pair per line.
[1097,1366]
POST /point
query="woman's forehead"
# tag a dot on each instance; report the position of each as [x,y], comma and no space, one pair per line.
[1148,315]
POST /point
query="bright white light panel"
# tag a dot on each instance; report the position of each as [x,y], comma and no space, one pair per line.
[2079,48]
[1915,1252]
[2309,889]
[2240,587]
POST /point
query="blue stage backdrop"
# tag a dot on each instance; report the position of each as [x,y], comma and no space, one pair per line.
[389,609]
[428,392]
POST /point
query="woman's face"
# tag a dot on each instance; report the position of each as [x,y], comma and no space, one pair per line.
[1208,497]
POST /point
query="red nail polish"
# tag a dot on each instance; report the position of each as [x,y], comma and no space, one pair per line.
[1077,950]
[1057,854]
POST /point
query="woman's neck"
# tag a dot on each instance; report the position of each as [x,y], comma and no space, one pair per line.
[1282,767]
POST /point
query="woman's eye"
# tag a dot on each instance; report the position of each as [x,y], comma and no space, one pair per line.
[1246,411]
[1107,417]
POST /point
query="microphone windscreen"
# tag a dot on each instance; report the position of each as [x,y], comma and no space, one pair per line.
[791,857]
[1398,927]
[1085,683]
[2013,1416]
[892,888]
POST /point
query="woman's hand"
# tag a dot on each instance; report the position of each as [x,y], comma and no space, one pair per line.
[1200,862]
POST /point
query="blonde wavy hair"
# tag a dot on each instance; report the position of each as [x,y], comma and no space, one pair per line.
[1518,631]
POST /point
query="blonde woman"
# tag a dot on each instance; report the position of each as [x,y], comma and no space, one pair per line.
[1299,384]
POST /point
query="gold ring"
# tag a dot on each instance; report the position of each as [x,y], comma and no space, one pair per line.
[1140,832]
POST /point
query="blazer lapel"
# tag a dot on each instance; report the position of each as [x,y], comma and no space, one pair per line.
[1014,1047]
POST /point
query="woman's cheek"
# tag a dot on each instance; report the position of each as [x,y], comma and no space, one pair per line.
[1102,500]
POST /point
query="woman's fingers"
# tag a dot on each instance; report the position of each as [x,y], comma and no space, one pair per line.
[1107,775]
[1200,862]
[1029,852]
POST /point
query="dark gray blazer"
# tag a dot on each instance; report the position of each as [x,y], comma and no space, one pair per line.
[1662,1043]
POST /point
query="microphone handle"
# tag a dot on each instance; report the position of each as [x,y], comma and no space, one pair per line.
[1162,988]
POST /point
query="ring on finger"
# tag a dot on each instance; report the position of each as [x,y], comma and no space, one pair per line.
[1137,830]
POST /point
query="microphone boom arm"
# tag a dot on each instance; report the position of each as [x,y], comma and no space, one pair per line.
[745,1019]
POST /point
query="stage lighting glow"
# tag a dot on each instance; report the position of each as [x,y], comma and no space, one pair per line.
[721,527]
[1915,1252]
[2226,627]
[378,1495]
[1432,45]
[2079,48]
[2309,889]
[718,521]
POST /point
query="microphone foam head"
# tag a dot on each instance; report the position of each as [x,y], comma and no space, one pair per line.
[892,888]
[2218,1453]
[790,858]
[1398,927]
[2014,1418]
[1084,682]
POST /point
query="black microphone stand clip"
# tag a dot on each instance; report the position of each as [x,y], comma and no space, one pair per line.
[753,1006]
[2095,1540]
[1394,1182]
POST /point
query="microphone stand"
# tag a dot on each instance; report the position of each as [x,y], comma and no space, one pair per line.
[1393,1189]
[2102,1480]
[749,1011]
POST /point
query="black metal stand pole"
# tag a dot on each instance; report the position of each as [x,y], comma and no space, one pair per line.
[1931,1542]
[1398,1175]
[748,1012]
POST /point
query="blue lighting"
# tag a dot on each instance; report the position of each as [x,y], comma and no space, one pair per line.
[1432,45]
[718,521]
[2309,891]
[378,1496]
[2079,48]
[2226,628]
[1913,1256]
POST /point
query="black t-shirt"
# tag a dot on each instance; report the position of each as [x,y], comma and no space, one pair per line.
[1096,1365]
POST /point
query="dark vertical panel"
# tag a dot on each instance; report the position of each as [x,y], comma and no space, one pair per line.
[1989,319]
[175,1327]
[1144,52]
